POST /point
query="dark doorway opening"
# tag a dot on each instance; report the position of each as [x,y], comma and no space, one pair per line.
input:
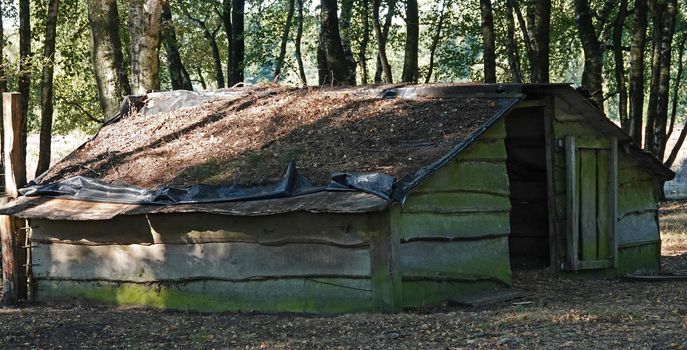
[526,163]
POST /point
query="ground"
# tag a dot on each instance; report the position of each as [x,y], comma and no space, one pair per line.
[572,314]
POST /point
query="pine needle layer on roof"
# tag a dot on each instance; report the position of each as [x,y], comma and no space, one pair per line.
[251,139]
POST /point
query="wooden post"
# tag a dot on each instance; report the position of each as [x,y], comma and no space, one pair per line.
[15,169]
[384,253]
[11,236]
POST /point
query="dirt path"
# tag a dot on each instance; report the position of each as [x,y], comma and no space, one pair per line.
[564,314]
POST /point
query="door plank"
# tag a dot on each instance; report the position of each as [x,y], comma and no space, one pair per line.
[588,204]
[572,196]
[602,203]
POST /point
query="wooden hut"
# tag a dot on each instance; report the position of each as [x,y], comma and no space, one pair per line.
[487,178]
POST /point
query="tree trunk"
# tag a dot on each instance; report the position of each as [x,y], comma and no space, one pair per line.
[435,38]
[345,29]
[106,54]
[488,43]
[25,68]
[322,68]
[177,71]
[620,65]
[657,9]
[3,85]
[337,65]
[676,85]
[362,57]
[284,40]
[237,42]
[47,87]
[201,80]
[299,35]
[144,29]
[381,40]
[592,80]
[661,119]
[636,94]
[512,45]
[410,69]
[381,67]
[211,37]
[226,23]
[542,30]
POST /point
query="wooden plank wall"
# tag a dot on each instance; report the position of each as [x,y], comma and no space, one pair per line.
[292,262]
[454,228]
[637,223]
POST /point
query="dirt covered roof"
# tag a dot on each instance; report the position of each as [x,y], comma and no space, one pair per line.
[251,138]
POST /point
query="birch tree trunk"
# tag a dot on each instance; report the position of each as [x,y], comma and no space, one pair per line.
[636,92]
[106,54]
[512,45]
[619,66]
[299,35]
[144,29]
[47,87]
[661,120]
[657,9]
[284,40]
[381,41]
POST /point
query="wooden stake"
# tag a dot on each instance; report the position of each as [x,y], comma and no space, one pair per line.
[11,238]
[15,169]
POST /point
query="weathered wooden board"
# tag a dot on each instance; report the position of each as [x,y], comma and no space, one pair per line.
[419,293]
[461,260]
[454,200]
[638,228]
[489,297]
[636,197]
[414,225]
[484,149]
[163,262]
[489,177]
[602,204]
[643,258]
[328,295]
[180,228]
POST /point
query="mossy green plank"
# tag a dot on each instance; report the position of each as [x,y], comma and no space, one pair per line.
[484,148]
[486,258]
[639,259]
[636,196]
[634,173]
[429,293]
[425,224]
[489,177]
[497,130]
[328,295]
[637,227]
[454,200]
[575,128]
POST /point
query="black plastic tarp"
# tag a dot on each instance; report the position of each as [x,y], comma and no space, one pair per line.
[292,184]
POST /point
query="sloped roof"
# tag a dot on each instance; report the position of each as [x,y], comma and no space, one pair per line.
[248,136]
[250,139]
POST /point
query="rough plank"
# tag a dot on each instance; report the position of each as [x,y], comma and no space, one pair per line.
[642,258]
[482,258]
[385,272]
[182,228]
[231,261]
[413,225]
[328,295]
[489,177]
[489,297]
[454,200]
[12,121]
[10,265]
[588,195]
[636,197]
[484,149]
[421,293]
[603,204]
[638,227]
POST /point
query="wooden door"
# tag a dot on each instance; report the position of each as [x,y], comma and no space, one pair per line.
[591,196]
